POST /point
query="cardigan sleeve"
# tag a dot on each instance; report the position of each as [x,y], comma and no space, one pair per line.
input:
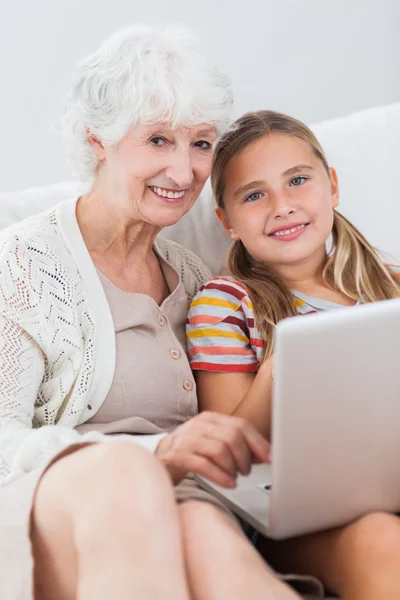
[24,448]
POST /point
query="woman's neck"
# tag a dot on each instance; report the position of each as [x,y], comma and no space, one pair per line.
[121,248]
[109,232]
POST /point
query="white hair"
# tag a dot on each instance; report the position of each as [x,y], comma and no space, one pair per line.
[142,75]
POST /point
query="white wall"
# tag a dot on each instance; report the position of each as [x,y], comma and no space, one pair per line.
[314,59]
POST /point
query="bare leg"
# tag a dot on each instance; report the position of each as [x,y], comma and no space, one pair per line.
[105,525]
[221,563]
[359,562]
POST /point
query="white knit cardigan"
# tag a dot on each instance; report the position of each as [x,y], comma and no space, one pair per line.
[57,340]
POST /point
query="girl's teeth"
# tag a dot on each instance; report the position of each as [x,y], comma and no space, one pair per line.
[287,231]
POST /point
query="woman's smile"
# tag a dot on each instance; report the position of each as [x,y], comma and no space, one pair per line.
[168,195]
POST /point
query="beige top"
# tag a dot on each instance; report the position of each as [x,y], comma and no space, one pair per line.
[150,339]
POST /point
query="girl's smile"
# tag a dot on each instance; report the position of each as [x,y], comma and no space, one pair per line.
[289,232]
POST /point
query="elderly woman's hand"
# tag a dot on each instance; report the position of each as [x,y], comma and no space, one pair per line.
[215,446]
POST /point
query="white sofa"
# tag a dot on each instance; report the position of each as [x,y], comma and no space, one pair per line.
[364,148]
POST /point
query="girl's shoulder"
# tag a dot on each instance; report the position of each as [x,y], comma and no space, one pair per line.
[222,296]
[221,331]
[225,287]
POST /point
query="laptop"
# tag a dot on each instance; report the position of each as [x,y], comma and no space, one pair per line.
[335,424]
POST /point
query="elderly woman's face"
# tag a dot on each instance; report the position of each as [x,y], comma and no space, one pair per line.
[156,173]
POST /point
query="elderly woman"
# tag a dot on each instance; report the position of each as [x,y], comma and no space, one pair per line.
[94,375]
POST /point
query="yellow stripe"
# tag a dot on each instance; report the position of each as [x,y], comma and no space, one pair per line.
[249,303]
[217,333]
[300,302]
[215,302]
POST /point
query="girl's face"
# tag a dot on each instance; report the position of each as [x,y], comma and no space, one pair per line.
[279,201]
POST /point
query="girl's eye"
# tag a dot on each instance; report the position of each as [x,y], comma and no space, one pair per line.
[298,181]
[203,145]
[254,196]
[158,141]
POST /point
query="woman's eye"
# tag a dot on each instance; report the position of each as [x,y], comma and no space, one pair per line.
[158,141]
[298,181]
[254,196]
[203,145]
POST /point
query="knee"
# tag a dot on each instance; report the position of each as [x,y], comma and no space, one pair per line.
[129,471]
[121,481]
[103,492]
[130,463]
[374,540]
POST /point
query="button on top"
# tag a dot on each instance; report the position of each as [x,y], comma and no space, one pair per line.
[175,353]
[188,385]
[89,407]
[161,319]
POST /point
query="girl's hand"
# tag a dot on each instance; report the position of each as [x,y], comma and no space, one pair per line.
[215,446]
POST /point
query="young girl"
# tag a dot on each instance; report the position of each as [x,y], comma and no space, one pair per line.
[293,253]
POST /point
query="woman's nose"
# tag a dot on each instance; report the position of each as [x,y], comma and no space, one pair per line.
[181,169]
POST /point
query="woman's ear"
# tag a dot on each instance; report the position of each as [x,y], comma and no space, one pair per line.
[225,222]
[334,187]
[96,146]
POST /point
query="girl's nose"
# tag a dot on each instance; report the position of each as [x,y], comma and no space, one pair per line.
[281,206]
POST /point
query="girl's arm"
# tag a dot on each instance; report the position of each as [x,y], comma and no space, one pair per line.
[225,350]
[246,395]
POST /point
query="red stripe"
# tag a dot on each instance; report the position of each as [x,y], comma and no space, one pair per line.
[205,366]
[238,322]
[231,320]
[235,281]
[204,319]
[225,288]
[220,351]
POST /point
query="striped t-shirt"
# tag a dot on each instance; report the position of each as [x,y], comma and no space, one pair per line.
[220,329]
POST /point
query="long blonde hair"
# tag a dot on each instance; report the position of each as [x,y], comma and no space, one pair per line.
[353,266]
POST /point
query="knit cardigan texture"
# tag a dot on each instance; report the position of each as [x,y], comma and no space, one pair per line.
[57,340]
